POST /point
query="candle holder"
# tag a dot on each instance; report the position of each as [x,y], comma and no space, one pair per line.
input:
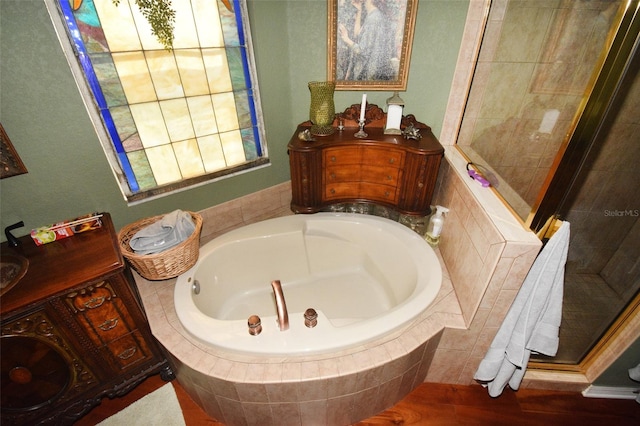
[360,134]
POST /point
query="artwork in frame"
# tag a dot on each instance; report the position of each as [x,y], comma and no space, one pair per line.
[370,43]
[10,162]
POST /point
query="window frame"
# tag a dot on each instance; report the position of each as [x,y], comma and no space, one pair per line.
[112,155]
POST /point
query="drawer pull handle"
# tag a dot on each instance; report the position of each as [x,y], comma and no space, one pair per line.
[94,302]
[332,175]
[420,185]
[392,160]
[333,158]
[109,324]
[386,194]
[128,353]
[333,191]
[389,177]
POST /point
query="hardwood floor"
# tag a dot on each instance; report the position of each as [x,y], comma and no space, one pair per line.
[438,404]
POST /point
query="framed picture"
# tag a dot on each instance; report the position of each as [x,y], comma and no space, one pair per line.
[370,43]
[10,162]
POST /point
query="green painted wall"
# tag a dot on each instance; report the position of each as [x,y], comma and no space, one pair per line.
[43,114]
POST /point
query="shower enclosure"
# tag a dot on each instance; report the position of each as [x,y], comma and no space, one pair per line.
[553,121]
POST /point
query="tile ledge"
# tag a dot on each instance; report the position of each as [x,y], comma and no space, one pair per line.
[503,219]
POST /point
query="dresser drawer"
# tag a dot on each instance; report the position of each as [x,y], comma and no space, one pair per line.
[110,326]
[341,190]
[128,350]
[101,313]
[385,193]
[361,190]
[342,174]
[382,157]
[379,174]
[342,156]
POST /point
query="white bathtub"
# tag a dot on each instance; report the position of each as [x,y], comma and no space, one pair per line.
[365,276]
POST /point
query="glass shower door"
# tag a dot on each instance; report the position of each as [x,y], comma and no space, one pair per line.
[551,119]
[603,206]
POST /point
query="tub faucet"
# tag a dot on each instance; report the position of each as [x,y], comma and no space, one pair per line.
[281,306]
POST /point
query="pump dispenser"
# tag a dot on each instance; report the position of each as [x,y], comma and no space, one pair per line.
[435,226]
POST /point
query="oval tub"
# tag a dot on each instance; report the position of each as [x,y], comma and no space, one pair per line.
[364,275]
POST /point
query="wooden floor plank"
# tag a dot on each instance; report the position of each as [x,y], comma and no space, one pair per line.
[437,404]
[409,413]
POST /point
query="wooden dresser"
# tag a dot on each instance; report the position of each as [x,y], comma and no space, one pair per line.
[73,330]
[390,170]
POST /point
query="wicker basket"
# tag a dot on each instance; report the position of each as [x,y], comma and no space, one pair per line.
[166,264]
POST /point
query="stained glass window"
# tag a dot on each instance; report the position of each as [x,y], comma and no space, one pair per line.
[174,116]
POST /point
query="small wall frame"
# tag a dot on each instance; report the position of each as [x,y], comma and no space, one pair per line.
[10,162]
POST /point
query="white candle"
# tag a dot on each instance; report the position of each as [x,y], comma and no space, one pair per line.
[363,106]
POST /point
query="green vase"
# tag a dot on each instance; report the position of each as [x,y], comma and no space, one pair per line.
[322,110]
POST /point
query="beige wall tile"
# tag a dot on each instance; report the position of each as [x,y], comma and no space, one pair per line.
[252,392]
[447,365]
[257,414]
[313,412]
[232,411]
[339,409]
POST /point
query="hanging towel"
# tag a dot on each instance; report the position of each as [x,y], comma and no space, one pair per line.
[532,322]
[171,230]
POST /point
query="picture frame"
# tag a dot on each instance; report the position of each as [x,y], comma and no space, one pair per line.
[10,162]
[372,55]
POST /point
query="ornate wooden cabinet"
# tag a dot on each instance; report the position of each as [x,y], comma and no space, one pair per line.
[387,169]
[73,331]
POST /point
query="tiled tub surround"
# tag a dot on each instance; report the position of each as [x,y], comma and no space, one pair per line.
[332,389]
[488,253]
[338,388]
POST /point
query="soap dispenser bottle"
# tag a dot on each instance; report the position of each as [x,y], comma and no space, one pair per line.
[435,226]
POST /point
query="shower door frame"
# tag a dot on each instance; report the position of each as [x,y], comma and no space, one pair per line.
[555,190]
[556,195]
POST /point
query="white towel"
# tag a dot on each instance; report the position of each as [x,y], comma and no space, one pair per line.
[532,322]
[169,231]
